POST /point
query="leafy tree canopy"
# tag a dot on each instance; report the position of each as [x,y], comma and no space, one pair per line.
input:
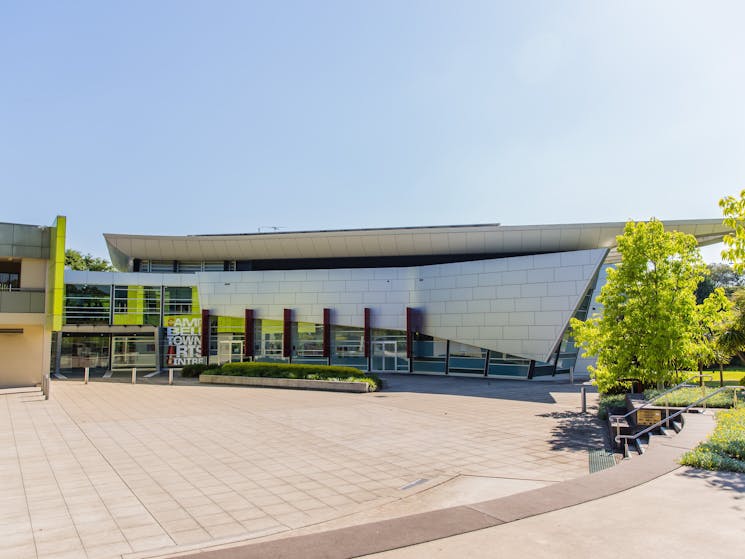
[720,275]
[733,209]
[74,260]
[651,327]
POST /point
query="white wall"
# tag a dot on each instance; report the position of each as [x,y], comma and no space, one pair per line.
[24,356]
[518,305]
[34,273]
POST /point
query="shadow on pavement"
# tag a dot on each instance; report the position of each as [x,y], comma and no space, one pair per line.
[575,430]
[727,481]
[478,387]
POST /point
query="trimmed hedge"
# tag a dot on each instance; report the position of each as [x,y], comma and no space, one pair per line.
[298,371]
[686,396]
[193,371]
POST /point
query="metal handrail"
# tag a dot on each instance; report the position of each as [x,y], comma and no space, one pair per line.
[667,419]
[615,419]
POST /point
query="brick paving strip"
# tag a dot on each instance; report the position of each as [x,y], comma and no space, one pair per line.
[376,537]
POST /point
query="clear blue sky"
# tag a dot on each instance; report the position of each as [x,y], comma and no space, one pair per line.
[177,117]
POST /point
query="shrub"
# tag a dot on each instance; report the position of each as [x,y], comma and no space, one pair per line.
[611,403]
[193,371]
[297,371]
[725,449]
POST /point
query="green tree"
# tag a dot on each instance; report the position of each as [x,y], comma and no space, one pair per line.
[719,275]
[733,209]
[74,260]
[651,326]
[715,320]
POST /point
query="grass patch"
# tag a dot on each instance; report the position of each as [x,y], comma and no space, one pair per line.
[730,377]
[686,396]
[297,371]
[725,449]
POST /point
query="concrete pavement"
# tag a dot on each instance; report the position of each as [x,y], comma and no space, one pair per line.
[109,470]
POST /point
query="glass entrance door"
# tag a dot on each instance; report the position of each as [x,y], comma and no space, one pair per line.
[132,351]
[384,356]
[229,351]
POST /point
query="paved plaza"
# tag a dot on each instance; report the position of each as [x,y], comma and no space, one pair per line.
[111,469]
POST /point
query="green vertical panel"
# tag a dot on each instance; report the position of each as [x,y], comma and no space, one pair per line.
[195,301]
[135,312]
[56,273]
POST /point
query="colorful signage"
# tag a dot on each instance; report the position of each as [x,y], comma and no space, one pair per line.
[184,340]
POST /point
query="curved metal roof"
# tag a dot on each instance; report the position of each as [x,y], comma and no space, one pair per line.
[403,241]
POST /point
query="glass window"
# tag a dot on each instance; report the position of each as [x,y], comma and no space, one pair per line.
[87,303]
[349,347]
[308,343]
[137,304]
[10,275]
[429,354]
[466,359]
[180,300]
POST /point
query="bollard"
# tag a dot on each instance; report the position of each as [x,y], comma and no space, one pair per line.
[170,376]
[583,393]
[86,375]
[134,375]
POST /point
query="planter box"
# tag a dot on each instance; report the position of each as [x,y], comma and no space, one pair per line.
[302,384]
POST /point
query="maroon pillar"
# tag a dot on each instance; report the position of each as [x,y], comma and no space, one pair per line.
[409,331]
[327,332]
[287,337]
[248,334]
[367,333]
[205,333]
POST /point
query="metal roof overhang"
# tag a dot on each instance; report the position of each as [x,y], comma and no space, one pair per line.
[404,241]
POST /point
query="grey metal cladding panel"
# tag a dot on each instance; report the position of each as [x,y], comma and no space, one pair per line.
[6,233]
[22,302]
[24,251]
[29,235]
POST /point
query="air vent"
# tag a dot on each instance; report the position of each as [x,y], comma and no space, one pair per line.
[11,330]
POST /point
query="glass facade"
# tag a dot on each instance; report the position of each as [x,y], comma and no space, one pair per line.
[175,338]
[87,304]
[348,347]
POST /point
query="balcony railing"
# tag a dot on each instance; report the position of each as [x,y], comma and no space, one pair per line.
[21,300]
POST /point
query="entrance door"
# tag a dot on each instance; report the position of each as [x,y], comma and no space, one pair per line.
[384,356]
[132,351]
[229,351]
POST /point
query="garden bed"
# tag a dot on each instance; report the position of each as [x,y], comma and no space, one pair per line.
[296,383]
[287,375]
[725,449]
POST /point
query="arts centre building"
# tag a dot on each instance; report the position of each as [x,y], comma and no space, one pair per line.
[481,300]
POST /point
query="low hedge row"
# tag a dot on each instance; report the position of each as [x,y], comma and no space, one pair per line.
[193,371]
[686,396]
[288,370]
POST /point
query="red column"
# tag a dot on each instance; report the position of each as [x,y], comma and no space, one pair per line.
[287,338]
[205,333]
[368,331]
[327,332]
[248,334]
